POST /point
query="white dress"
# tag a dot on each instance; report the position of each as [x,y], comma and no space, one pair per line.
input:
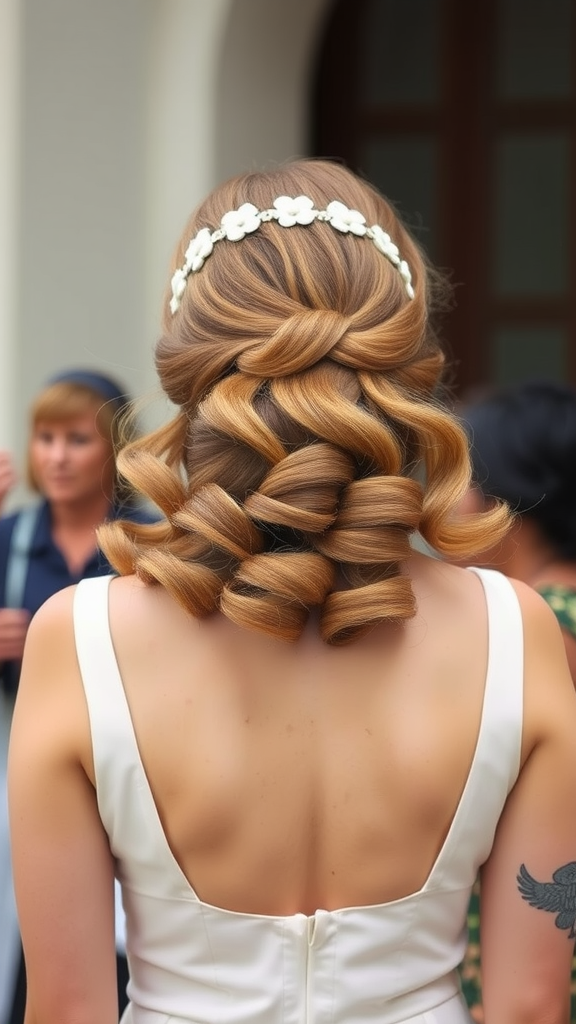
[393,963]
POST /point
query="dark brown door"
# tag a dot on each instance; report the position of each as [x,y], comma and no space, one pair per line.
[464,114]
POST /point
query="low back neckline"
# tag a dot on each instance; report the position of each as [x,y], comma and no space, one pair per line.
[113,698]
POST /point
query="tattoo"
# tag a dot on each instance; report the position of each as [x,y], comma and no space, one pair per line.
[558,896]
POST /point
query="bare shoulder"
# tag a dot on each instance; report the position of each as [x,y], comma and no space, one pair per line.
[535,609]
[58,610]
[543,641]
[453,598]
[549,695]
[52,624]
[50,648]
[50,713]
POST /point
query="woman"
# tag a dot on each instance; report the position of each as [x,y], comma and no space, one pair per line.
[280,725]
[523,440]
[74,429]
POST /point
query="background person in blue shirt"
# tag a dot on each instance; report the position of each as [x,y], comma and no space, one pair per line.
[74,427]
[8,475]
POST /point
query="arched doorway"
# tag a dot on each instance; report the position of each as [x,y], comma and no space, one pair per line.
[266,63]
[465,116]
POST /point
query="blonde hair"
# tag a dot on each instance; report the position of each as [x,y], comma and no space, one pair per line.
[63,400]
[310,441]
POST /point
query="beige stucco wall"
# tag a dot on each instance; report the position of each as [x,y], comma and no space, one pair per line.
[9,205]
[115,119]
[263,91]
[240,100]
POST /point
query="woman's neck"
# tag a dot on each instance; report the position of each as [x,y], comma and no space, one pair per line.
[73,529]
[79,515]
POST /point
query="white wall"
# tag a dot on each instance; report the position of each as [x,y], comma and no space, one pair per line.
[9,205]
[230,90]
[115,119]
[182,126]
[263,93]
[83,187]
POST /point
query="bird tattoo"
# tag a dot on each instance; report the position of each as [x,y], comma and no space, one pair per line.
[558,896]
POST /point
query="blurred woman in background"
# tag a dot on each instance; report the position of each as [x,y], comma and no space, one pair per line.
[74,430]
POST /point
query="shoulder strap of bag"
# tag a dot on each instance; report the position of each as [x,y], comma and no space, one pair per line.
[19,555]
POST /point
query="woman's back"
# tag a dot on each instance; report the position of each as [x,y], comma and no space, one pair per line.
[275,768]
[199,831]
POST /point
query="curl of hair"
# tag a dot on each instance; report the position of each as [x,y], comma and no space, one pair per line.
[311,443]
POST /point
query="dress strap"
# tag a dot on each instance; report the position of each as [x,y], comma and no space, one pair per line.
[113,739]
[502,714]
[125,800]
[496,760]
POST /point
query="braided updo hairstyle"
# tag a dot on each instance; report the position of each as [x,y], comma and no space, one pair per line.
[310,443]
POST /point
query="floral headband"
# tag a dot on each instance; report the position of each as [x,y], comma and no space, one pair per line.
[286,211]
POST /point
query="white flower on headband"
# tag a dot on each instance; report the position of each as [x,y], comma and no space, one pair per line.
[199,249]
[178,288]
[294,211]
[404,271]
[384,243]
[238,223]
[286,211]
[343,219]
